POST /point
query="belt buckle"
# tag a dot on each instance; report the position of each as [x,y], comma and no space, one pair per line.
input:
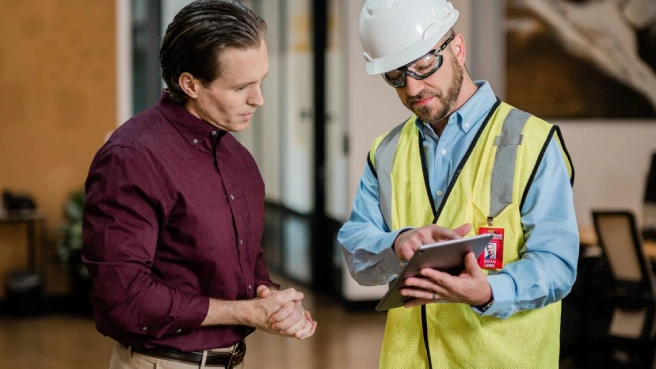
[240,348]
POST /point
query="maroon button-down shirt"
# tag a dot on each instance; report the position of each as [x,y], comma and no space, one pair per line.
[174,215]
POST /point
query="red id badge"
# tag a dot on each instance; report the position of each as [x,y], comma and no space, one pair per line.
[492,256]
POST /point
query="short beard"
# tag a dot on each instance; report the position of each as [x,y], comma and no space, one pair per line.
[448,101]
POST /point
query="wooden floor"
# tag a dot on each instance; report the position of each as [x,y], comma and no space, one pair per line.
[342,340]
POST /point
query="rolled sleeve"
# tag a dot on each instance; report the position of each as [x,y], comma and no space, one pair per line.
[138,316]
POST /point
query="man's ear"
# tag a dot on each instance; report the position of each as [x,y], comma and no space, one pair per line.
[459,48]
[189,84]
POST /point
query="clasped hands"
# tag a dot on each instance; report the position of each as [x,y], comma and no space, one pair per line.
[285,314]
[469,287]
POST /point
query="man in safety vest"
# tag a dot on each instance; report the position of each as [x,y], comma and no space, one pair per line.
[464,163]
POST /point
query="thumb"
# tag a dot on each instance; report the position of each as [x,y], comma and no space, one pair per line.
[263,292]
[463,229]
[471,265]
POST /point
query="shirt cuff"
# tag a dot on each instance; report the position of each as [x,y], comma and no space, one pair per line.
[503,288]
[191,313]
[392,265]
[266,282]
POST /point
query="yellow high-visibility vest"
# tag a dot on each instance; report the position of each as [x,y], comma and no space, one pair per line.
[491,181]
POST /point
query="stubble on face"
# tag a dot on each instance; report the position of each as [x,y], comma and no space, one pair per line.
[447,101]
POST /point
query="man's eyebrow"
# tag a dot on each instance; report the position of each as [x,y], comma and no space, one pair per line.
[250,82]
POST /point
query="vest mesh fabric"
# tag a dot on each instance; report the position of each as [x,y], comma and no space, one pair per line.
[458,337]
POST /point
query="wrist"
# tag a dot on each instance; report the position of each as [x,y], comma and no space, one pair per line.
[245,311]
[222,312]
[398,235]
[486,305]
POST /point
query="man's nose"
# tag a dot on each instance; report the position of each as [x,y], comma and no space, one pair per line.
[256,99]
[412,86]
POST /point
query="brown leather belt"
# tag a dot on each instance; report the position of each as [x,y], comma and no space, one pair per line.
[227,360]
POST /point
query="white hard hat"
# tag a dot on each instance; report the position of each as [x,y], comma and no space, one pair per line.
[395,32]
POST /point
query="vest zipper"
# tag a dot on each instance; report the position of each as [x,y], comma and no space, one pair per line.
[424,323]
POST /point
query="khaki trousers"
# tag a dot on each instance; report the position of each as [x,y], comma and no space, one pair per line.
[122,358]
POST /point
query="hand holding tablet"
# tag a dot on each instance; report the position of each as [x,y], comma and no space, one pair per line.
[407,242]
[445,256]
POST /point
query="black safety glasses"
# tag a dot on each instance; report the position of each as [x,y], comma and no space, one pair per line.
[418,69]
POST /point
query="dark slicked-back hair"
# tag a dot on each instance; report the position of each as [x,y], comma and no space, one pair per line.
[197,36]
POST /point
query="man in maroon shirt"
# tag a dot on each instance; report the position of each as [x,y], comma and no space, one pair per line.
[175,207]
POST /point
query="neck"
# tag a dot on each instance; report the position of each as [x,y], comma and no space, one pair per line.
[191,108]
[467,90]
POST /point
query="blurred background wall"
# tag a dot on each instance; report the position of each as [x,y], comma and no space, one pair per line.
[57,103]
[60,96]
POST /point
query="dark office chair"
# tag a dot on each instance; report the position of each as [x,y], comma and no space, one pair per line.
[633,292]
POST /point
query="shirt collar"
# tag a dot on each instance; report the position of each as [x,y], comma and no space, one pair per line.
[191,127]
[470,113]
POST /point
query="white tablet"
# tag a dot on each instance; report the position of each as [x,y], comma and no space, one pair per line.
[447,256]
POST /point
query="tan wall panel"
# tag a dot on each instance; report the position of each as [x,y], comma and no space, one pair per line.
[57,98]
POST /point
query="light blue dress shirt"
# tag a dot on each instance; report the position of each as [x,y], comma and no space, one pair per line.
[546,269]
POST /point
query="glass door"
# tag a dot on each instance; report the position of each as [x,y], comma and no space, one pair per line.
[281,135]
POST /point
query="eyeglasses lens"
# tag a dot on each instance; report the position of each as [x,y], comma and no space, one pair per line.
[419,70]
[395,78]
[424,65]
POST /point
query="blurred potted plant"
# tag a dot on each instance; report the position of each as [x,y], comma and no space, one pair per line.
[69,248]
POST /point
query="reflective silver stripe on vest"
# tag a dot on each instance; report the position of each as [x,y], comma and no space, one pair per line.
[503,172]
[383,161]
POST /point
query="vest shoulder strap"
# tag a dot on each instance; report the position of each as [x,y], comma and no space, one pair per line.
[381,159]
[503,170]
[386,141]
